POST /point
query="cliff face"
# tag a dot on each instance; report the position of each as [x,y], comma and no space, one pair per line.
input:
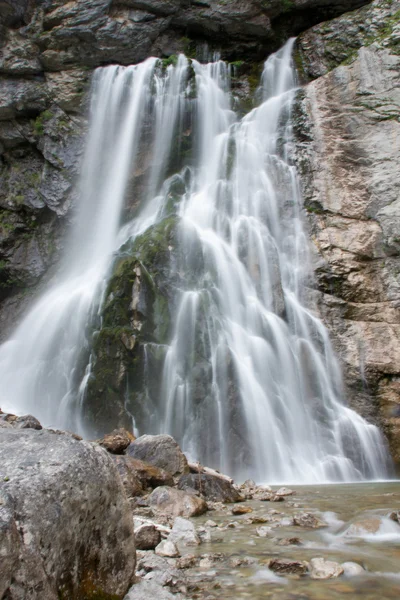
[348,132]
[48,49]
[347,122]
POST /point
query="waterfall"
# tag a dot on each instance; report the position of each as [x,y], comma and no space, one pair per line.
[250,384]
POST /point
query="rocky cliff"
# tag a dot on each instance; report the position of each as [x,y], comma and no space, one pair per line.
[347,152]
[348,128]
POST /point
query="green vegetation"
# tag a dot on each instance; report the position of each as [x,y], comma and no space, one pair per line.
[171,60]
[39,123]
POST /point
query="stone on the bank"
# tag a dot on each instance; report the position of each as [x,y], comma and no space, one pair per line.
[308,520]
[211,487]
[176,503]
[352,569]
[325,569]
[283,566]
[131,483]
[167,548]
[184,533]
[64,517]
[117,441]
[161,451]
[149,475]
[146,590]
[147,537]
[186,562]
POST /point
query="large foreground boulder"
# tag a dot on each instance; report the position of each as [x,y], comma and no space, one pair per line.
[161,451]
[66,529]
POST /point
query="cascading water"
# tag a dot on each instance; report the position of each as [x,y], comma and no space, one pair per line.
[250,384]
[39,366]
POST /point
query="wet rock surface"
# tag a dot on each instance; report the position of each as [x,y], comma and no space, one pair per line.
[347,125]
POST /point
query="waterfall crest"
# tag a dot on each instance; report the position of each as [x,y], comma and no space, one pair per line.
[250,383]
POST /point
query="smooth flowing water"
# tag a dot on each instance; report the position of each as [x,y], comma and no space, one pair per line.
[357,529]
[250,384]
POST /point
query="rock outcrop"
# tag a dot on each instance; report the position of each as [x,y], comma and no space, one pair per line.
[347,127]
[66,526]
[48,49]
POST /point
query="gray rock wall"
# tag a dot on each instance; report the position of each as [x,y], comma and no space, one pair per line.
[348,143]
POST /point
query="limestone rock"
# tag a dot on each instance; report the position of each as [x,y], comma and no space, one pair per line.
[325,569]
[176,503]
[241,510]
[352,569]
[184,533]
[117,441]
[213,488]
[161,451]
[283,566]
[308,520]
[346,121]
[24,422]
[144,590]
[147,537]
[64,516]
[131,482]
[363,527]
[167,548]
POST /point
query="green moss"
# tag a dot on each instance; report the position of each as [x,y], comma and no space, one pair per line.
[153,243]
[171,60]
[39,123]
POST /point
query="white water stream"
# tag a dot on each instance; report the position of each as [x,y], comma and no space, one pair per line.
[250,382]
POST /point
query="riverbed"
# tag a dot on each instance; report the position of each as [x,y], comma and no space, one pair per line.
[357,529]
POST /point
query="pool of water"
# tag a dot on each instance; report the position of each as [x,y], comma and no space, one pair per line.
[358,530]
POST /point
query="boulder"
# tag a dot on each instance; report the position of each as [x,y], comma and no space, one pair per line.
[24,422]
[395,516]
[363,527]
[147,537]
[283,566]
[144,590]
[167,548]
[161,451]
[184,533]
[117,441]
[176,503]
[66,524]
[131,482]
[352,569]
[325,569]
[211,487]
[148,475]
[308,520]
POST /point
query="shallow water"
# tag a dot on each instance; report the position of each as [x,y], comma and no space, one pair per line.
[339,505]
